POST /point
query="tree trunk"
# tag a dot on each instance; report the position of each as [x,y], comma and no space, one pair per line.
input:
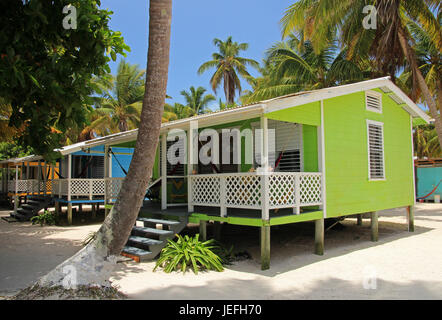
[93,264]
[411,57]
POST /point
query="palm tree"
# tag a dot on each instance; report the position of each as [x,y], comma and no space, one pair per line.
[224,106]
[119,107]
[294,66]
[97,260]
[429,60]
[389,44]
[426,144]
[228,65]
[196,100]
[175,112]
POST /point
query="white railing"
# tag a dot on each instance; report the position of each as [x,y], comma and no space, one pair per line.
[253,190]
[31,186]
[109,187]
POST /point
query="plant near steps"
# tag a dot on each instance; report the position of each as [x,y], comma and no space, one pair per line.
[189,252]
[46,218]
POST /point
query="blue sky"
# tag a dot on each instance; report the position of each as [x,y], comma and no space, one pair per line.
[195,23]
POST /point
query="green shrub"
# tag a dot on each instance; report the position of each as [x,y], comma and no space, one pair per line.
[189,252]
[48,218]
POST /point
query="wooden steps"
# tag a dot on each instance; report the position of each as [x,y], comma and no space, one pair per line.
[31,208]
[147,241]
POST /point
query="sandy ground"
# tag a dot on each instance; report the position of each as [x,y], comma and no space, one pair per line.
[402,265]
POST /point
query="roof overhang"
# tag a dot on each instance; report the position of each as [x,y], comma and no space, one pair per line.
[16,161]
[385,84]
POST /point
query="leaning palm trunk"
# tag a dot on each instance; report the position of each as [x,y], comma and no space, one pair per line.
[94,263]
[411,57]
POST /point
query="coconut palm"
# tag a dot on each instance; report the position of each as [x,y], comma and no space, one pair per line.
[196,100]
[175,112]
[228,67]
[98,258]
[429,60]
[426,144]
[119,107]
[389,44]
[294,66]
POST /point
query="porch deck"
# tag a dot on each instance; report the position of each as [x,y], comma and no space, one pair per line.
[236,216]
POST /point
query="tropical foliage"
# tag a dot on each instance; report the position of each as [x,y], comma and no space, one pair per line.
[426,144]
[189,252]
[47,218]
[229,66]
[196,100]
[46,70]
[196,103]
[119,106]
[388,46]
[294,66]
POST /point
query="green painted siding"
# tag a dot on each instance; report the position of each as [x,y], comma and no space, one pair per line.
[310,147]
[306,114]
[346,154]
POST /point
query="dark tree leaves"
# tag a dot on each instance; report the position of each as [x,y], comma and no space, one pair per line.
[46,70]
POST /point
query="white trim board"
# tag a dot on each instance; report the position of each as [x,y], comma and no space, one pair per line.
[328,93]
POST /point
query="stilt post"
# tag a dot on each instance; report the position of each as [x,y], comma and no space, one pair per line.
[265,246]
[319,237]
[70,213]
[374,226]
[203,230]
[410,218]
[359,222]
[94,212]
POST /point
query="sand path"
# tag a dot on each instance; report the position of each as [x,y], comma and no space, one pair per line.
[402,265]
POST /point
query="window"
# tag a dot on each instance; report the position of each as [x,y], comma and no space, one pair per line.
[172,170]
[376,168]
[286,144]
[373,101]
[290,161]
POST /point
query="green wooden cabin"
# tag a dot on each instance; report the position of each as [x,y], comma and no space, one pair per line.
[328,153]
[308,156]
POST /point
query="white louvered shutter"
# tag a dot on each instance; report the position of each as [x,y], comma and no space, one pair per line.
[376,151]
[373,101]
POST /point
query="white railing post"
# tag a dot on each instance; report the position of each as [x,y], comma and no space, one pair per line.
[16,190]
[44,178]
[297,209]
[69,176]
[265,197]
[39,176]
[91,188]
[192,158]
[106,176]
[223,196]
